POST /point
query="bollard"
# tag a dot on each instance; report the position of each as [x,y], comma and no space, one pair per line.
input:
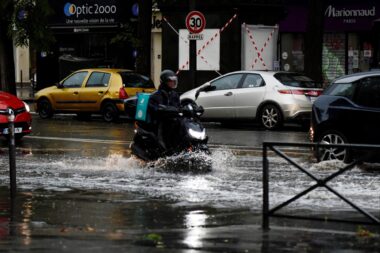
[12,157]
[265,222]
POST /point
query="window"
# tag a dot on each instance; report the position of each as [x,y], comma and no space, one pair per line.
[135,80]
[342,89]
[252,81]
[98,79]
[228,82]
[368,92]
[296,80]
[75,80]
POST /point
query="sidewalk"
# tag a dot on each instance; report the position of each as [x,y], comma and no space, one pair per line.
[25,92]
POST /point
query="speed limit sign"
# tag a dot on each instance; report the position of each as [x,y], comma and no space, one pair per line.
[195,22]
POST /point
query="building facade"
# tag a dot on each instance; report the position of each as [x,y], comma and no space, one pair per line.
[270,35]
[86,36]
[350,42]
[242,34]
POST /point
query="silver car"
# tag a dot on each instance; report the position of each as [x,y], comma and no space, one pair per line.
[269,96]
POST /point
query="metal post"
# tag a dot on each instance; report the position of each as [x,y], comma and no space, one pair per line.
[193,52]
[265,224]
[12,157]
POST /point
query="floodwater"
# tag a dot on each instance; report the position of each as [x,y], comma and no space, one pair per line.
[234,182]
[71,202]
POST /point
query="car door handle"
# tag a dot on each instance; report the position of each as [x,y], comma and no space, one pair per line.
[76,92]
[228,94]
[100,92]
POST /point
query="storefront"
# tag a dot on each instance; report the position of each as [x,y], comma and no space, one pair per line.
[350,44]
[84,31]
[224,45]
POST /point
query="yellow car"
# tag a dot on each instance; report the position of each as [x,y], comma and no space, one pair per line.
[88,91]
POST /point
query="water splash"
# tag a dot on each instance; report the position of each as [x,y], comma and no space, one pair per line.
[234,181]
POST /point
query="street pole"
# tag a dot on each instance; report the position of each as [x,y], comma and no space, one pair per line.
[12,159]
[193,51]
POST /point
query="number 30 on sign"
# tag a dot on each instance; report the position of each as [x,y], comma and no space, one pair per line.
[195,22]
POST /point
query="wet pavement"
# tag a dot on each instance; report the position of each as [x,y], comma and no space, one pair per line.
[80,191]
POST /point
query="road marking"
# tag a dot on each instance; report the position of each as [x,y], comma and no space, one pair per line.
[79,140]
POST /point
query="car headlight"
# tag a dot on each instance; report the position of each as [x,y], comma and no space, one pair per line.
[197,135]
[27,108]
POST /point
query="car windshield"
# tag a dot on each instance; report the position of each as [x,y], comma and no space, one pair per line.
[135,80]
[341,89]
[296,80]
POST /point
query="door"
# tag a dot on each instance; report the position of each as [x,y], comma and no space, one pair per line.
[259,47]
[218,101]
[66,97]
[367,118]
[249,96]
[92,93]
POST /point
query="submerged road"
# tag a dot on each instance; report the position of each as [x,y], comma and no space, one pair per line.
[65,132]
[80,191]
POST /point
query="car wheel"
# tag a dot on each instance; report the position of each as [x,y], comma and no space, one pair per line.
[109,112]
[45,110]
[334,153]
[271,117]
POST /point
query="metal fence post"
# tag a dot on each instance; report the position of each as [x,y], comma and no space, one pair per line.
[12,157]
[265,224]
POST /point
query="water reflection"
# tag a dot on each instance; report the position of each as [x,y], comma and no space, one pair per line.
[24,227]
[195,222]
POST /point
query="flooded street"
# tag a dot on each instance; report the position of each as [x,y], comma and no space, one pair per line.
[83,192]
[234,182]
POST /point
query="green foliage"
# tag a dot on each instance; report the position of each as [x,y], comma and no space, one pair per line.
[153,240]
[29,24]
[127,34]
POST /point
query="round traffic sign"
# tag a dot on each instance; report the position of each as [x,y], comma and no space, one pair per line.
[195,22]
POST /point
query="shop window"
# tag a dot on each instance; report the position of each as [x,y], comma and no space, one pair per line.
[333,56]
[292,52]
[360,53]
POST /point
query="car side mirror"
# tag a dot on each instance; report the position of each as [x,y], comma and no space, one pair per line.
[205,88]
[59,85]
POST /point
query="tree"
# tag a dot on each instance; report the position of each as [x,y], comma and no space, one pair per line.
[137,32]
[7,70]
[314,40]
[23,23]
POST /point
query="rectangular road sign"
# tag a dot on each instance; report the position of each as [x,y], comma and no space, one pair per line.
[196,36]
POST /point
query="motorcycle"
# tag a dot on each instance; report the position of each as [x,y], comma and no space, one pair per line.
[187,148]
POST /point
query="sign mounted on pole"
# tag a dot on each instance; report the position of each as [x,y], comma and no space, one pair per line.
[195,22]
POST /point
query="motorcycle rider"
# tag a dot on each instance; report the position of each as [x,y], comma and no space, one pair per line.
[162,102]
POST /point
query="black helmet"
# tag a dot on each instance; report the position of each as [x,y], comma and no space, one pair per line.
[166,76]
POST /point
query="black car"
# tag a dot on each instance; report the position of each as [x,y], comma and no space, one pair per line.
[348,112]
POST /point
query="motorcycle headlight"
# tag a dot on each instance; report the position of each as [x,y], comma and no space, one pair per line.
[27,108]
[197,135]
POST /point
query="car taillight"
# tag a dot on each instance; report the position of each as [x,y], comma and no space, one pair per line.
[313,93]
[310,93]
[122,93]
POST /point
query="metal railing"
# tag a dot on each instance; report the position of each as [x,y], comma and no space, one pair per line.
[267,212]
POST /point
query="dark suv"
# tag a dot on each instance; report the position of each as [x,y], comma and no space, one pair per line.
[347,112]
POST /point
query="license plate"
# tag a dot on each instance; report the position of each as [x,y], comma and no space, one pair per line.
[17,130]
